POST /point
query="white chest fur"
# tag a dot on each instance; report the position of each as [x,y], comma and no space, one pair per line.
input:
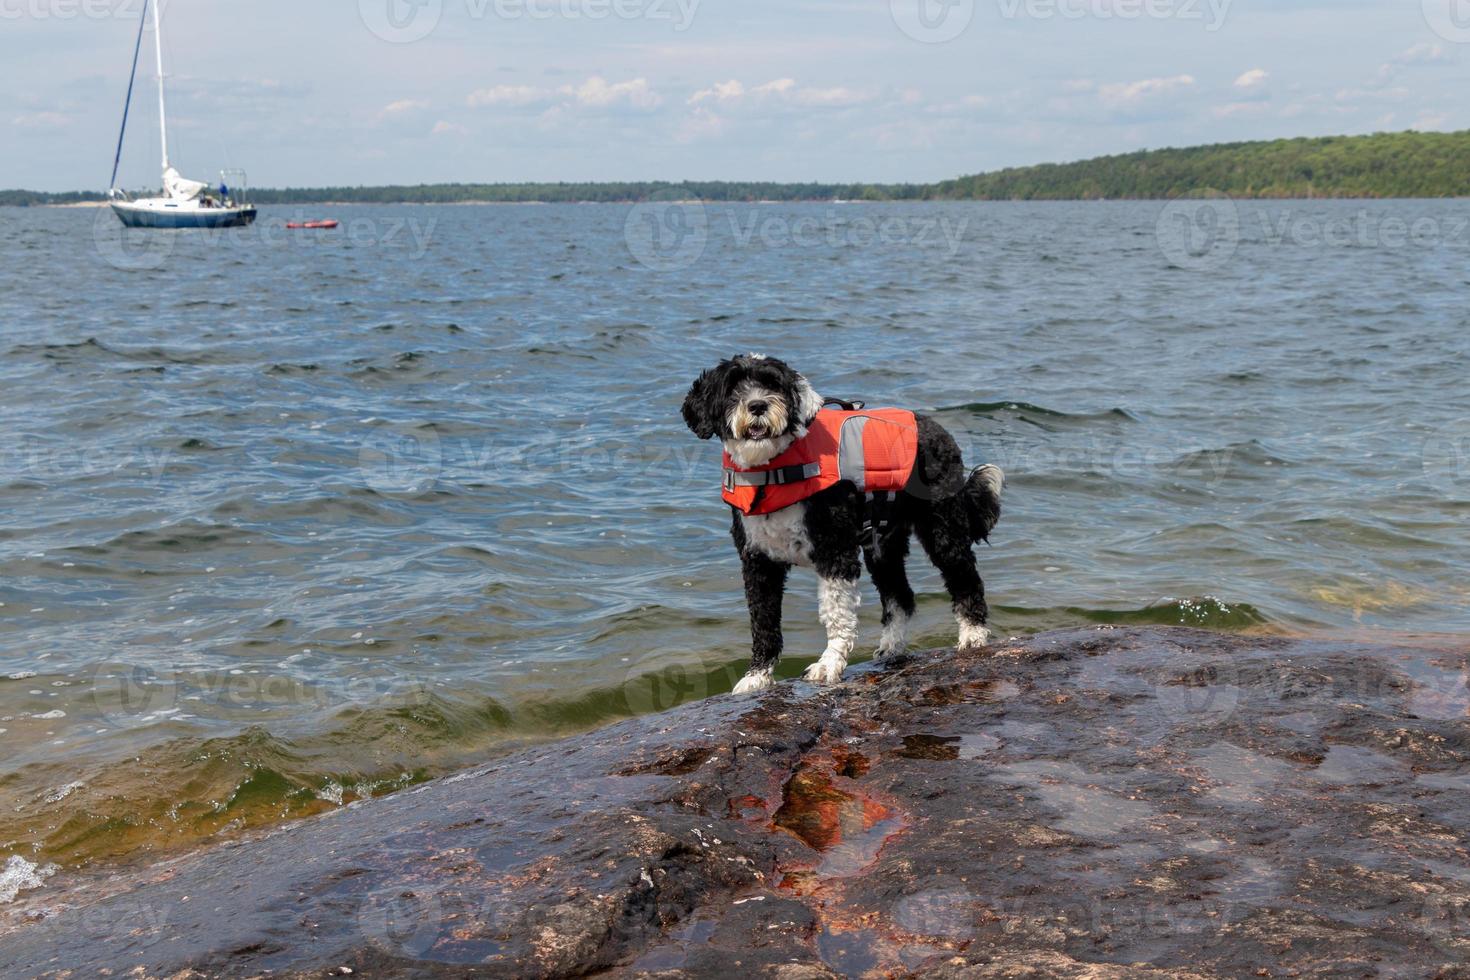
[781,535]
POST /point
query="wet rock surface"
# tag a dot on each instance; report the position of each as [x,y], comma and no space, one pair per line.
[1102,803]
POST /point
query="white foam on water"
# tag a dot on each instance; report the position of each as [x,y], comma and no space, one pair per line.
[20,875]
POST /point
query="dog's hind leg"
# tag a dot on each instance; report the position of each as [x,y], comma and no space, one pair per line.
[765,587]
[944,533]
[892,580]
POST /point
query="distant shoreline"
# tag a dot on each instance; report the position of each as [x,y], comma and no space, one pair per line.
[1382,166]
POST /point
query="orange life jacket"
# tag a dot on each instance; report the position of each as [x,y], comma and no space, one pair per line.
[875,449]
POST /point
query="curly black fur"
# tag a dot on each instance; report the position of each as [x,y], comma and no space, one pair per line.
[945,506]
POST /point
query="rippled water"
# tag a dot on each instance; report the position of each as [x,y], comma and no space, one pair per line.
[292,519]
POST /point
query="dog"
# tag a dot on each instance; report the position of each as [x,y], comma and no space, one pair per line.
[761,408]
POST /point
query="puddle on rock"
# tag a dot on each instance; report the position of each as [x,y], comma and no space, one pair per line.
[1440,693]
[1087,810]
[1351,765]
[974,692]
[1240,775]
[844,825]
[673,952]
[851,954]
[947,748]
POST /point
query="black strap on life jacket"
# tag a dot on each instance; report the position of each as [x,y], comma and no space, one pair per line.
[877,517]
[844,405]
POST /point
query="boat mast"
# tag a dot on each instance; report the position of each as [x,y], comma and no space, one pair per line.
[158,50]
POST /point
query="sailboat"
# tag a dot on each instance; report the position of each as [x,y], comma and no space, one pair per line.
[185,203]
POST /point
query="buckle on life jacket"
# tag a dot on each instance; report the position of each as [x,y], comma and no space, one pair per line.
[768,478]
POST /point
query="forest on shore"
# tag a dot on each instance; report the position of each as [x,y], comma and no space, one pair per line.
[1409,164]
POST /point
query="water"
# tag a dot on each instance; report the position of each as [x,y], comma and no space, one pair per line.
[291,519]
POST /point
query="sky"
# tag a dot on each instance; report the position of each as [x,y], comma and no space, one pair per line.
[345,92]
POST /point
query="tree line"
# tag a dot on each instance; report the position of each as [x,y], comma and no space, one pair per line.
[1406,164]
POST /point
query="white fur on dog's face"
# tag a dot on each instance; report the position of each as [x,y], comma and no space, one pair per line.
[723,402]
[758,439]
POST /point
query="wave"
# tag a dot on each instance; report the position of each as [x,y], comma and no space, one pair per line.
[1026,410]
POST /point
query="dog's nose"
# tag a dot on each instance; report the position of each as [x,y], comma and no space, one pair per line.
[757,408]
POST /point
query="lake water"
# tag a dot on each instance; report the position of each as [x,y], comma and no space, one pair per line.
[287,519]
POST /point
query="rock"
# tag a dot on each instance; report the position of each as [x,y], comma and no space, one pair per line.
[1090,804]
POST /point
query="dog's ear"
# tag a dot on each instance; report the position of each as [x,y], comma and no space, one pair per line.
[700,410]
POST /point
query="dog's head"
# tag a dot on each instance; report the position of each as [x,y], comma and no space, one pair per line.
[757,405]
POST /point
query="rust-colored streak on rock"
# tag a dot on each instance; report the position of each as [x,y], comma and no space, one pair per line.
[810,809]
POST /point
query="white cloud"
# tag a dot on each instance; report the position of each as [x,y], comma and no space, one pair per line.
[720,92]
[779,87]
[1430,121]
[596,93]
[1422,54]
[701,124]
[41,120]
[512,95]
[444,128]
[786,89]
[1128,94]
[1252,79]
[404,105]
[1414,57]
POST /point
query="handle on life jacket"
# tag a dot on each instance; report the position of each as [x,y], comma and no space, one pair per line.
[845,406]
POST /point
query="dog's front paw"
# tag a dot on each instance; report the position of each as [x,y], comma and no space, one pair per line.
[973,636]
[753,682]
[828,670]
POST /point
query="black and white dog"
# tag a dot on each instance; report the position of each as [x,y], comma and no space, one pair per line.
[759,407]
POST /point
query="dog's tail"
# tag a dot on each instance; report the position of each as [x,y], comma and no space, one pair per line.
[982,500]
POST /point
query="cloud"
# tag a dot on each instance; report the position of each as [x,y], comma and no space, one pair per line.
[512,95]
[1123,95]
[1430,121]
[720,92]
[596,93]
[404,106]
[1417,56]
[446,128]
[1422,54]
[785,89]
[41,120]
[1253,79]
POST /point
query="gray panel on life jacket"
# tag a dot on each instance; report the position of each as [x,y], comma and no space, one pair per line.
[851,461]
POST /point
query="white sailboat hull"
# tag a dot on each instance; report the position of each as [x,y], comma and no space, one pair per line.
[168,213]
